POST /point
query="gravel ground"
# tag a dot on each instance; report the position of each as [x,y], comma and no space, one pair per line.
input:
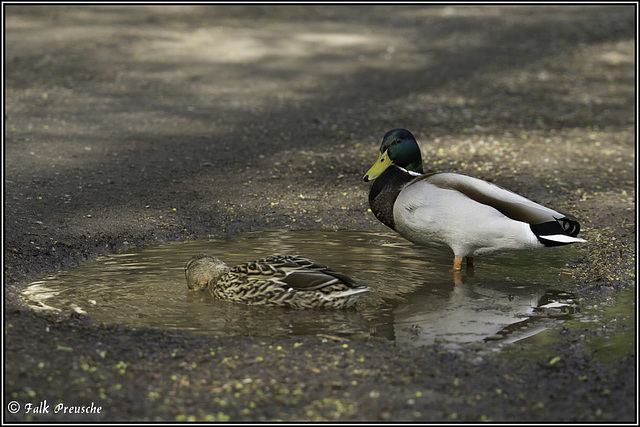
[127,127]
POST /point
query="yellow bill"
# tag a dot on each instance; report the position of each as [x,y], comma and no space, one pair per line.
[378,167]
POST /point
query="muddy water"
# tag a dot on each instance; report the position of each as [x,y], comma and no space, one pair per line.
[508,297]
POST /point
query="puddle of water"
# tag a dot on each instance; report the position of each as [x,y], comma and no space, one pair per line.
[615,326]
[415,300]
[610,328]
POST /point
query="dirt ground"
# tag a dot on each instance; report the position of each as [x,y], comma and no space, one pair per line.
[127,127]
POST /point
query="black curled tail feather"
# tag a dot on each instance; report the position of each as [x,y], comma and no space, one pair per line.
[567,225]
[570,225]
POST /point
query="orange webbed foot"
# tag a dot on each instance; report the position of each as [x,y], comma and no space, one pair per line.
[457,267]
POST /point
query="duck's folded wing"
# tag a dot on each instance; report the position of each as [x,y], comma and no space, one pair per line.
[301,273]
[543,220]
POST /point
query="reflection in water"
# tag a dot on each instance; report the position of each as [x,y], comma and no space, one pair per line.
[415,301]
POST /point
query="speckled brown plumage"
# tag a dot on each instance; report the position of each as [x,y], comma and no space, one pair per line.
[279,280]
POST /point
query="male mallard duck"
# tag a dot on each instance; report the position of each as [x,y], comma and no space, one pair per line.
[471,216]
[281,280]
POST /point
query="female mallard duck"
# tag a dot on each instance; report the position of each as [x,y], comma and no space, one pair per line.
[471,216]
[280,280]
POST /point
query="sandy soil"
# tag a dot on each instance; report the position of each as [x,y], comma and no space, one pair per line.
[126,127]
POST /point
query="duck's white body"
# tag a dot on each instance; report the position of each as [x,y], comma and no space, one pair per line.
[434,209]
[471,216]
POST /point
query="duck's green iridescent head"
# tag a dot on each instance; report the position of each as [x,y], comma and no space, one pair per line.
[399,147]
